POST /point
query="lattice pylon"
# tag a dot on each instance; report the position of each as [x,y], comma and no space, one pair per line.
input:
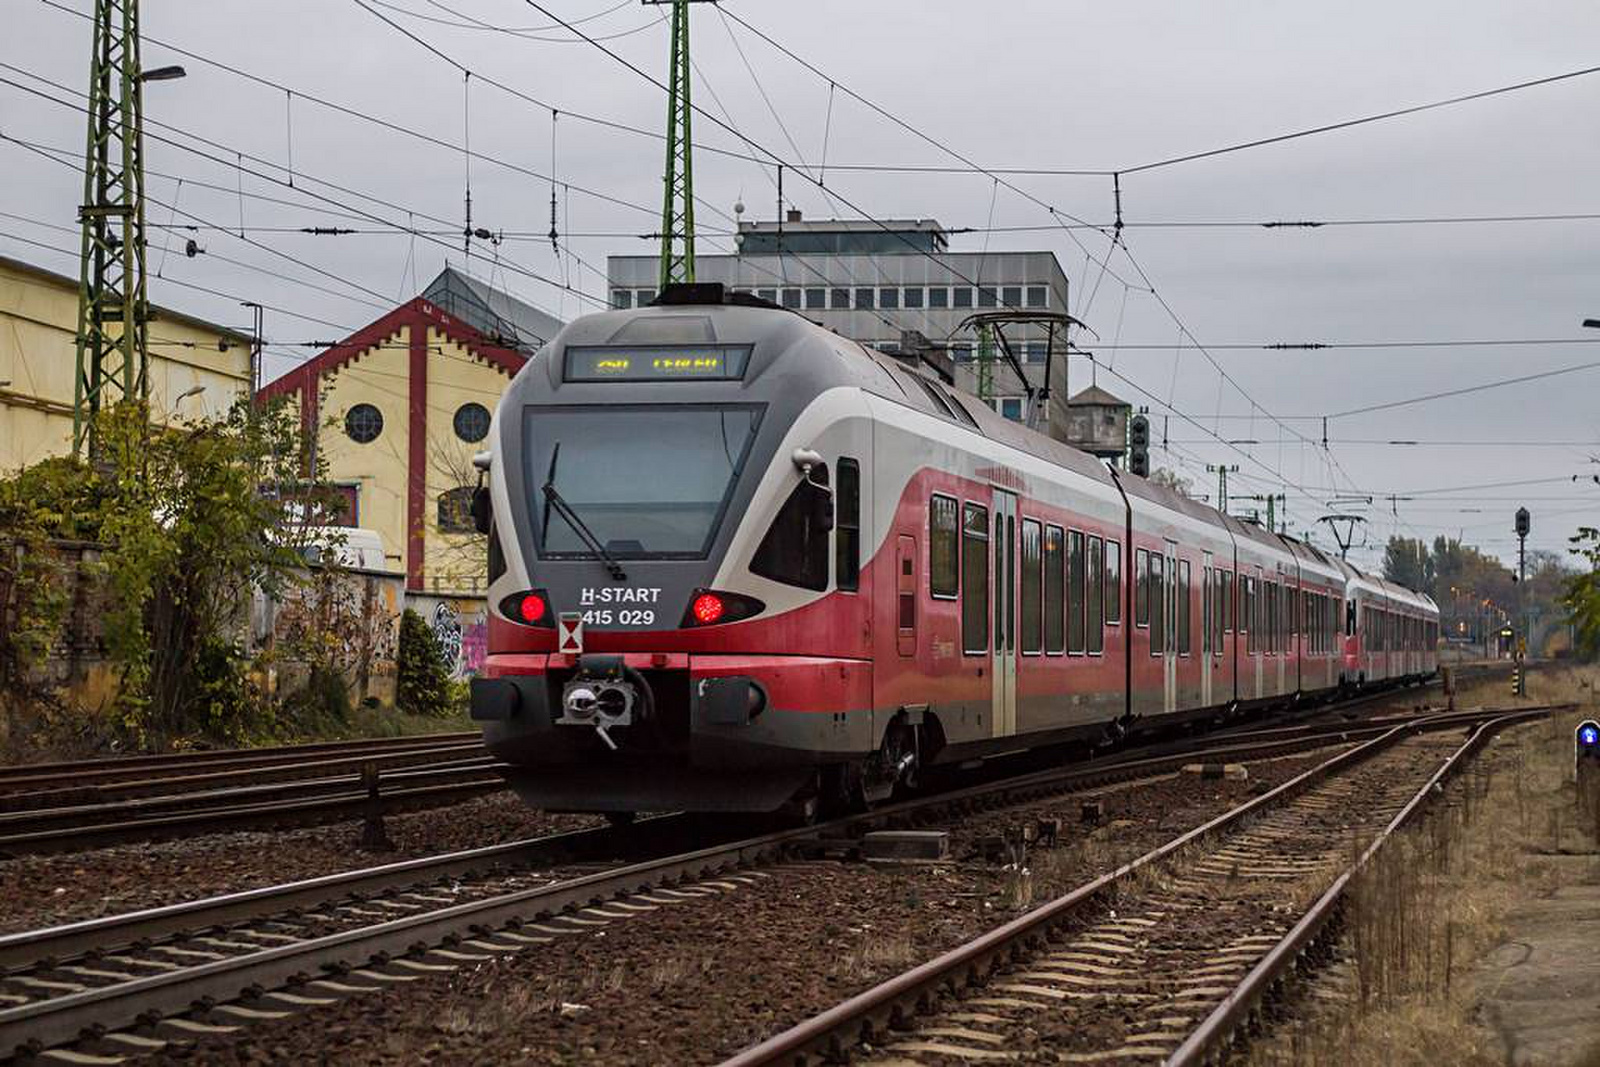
[112,306]
[677,206]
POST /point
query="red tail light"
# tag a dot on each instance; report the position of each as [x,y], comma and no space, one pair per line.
[530,609]
[708,607]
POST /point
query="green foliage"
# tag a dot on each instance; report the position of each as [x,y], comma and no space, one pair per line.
[192,520]
[33,597]
[422,686]
[1581,597]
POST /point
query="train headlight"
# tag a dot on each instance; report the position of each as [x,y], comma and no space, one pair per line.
[710,607]
[531,608]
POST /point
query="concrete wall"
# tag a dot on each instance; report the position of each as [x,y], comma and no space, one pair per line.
[38,356]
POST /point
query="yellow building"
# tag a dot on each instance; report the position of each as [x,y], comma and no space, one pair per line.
[38,364]
[399,409]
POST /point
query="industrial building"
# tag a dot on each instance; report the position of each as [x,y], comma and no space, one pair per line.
[196,368]
[876,282]
[397,411]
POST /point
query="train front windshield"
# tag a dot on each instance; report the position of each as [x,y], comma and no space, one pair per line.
[645,481]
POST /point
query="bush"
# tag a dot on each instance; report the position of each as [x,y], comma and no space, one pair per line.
[423,683]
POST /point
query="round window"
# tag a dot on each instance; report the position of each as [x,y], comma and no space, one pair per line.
[472,422]
[363,423]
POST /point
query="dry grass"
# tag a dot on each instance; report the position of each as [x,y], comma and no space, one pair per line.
[1434,901]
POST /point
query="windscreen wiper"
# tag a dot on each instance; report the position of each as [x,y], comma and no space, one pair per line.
[554,500]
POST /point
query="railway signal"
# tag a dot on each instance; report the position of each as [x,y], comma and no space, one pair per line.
[1523,524]
[1139,446]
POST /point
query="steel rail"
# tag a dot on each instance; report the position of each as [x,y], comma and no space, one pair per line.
[48,1022]
[93,792]
[250,815]
[78,770]
[888,1005]
[72,939]
[44,1023]
[1217,1030]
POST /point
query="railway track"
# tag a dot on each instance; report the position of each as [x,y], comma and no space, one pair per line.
[246,792]
[361,930]
[76,806]
[1166,957]
[110,771]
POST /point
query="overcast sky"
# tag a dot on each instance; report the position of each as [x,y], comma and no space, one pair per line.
[1013,84]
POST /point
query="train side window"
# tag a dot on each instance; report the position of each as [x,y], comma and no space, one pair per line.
[795,548]
[1207,590]
[1270,596]
[1032,640]
[1077,593]
[1247,611]
[1350,619]
[1096,613]
[975,590]
[1141,588]
[1054,590]
[1112,585]
[1184,609]
[943,564]
[1225,603]
[1154,597]
[847,526]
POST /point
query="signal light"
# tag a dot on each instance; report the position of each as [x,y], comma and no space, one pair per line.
[1139,446]
[531,608]
[707,607]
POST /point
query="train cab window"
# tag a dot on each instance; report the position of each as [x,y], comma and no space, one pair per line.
[1054,590]
[1096,612]
[1141,588]
[847,526]
[1156,597]
[795,548]
[975,590]
[1077,593]
[1112,584]
[1184,609]
[1030,598]
[943,575]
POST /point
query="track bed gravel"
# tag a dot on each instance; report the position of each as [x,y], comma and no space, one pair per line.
[699,978]
[45,890]
[1127,985]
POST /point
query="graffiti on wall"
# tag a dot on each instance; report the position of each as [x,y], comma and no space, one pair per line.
[463,638]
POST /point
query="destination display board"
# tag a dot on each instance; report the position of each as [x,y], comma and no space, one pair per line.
[656,363]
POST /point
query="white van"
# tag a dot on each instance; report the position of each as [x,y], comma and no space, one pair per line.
[360,548]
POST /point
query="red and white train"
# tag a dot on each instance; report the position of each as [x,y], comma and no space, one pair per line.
[804,571]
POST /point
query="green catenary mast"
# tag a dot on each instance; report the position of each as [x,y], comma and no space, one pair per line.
[112,307]
[677,203]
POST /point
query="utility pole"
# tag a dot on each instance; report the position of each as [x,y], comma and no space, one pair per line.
[112,307]
[985,364]
[677,203]
[1222,470]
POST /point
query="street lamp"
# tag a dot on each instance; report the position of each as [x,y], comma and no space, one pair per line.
[163,74]
[193,390]
[1593,324]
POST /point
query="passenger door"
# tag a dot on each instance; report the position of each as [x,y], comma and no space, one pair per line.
[1169,625]
[1005,613]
